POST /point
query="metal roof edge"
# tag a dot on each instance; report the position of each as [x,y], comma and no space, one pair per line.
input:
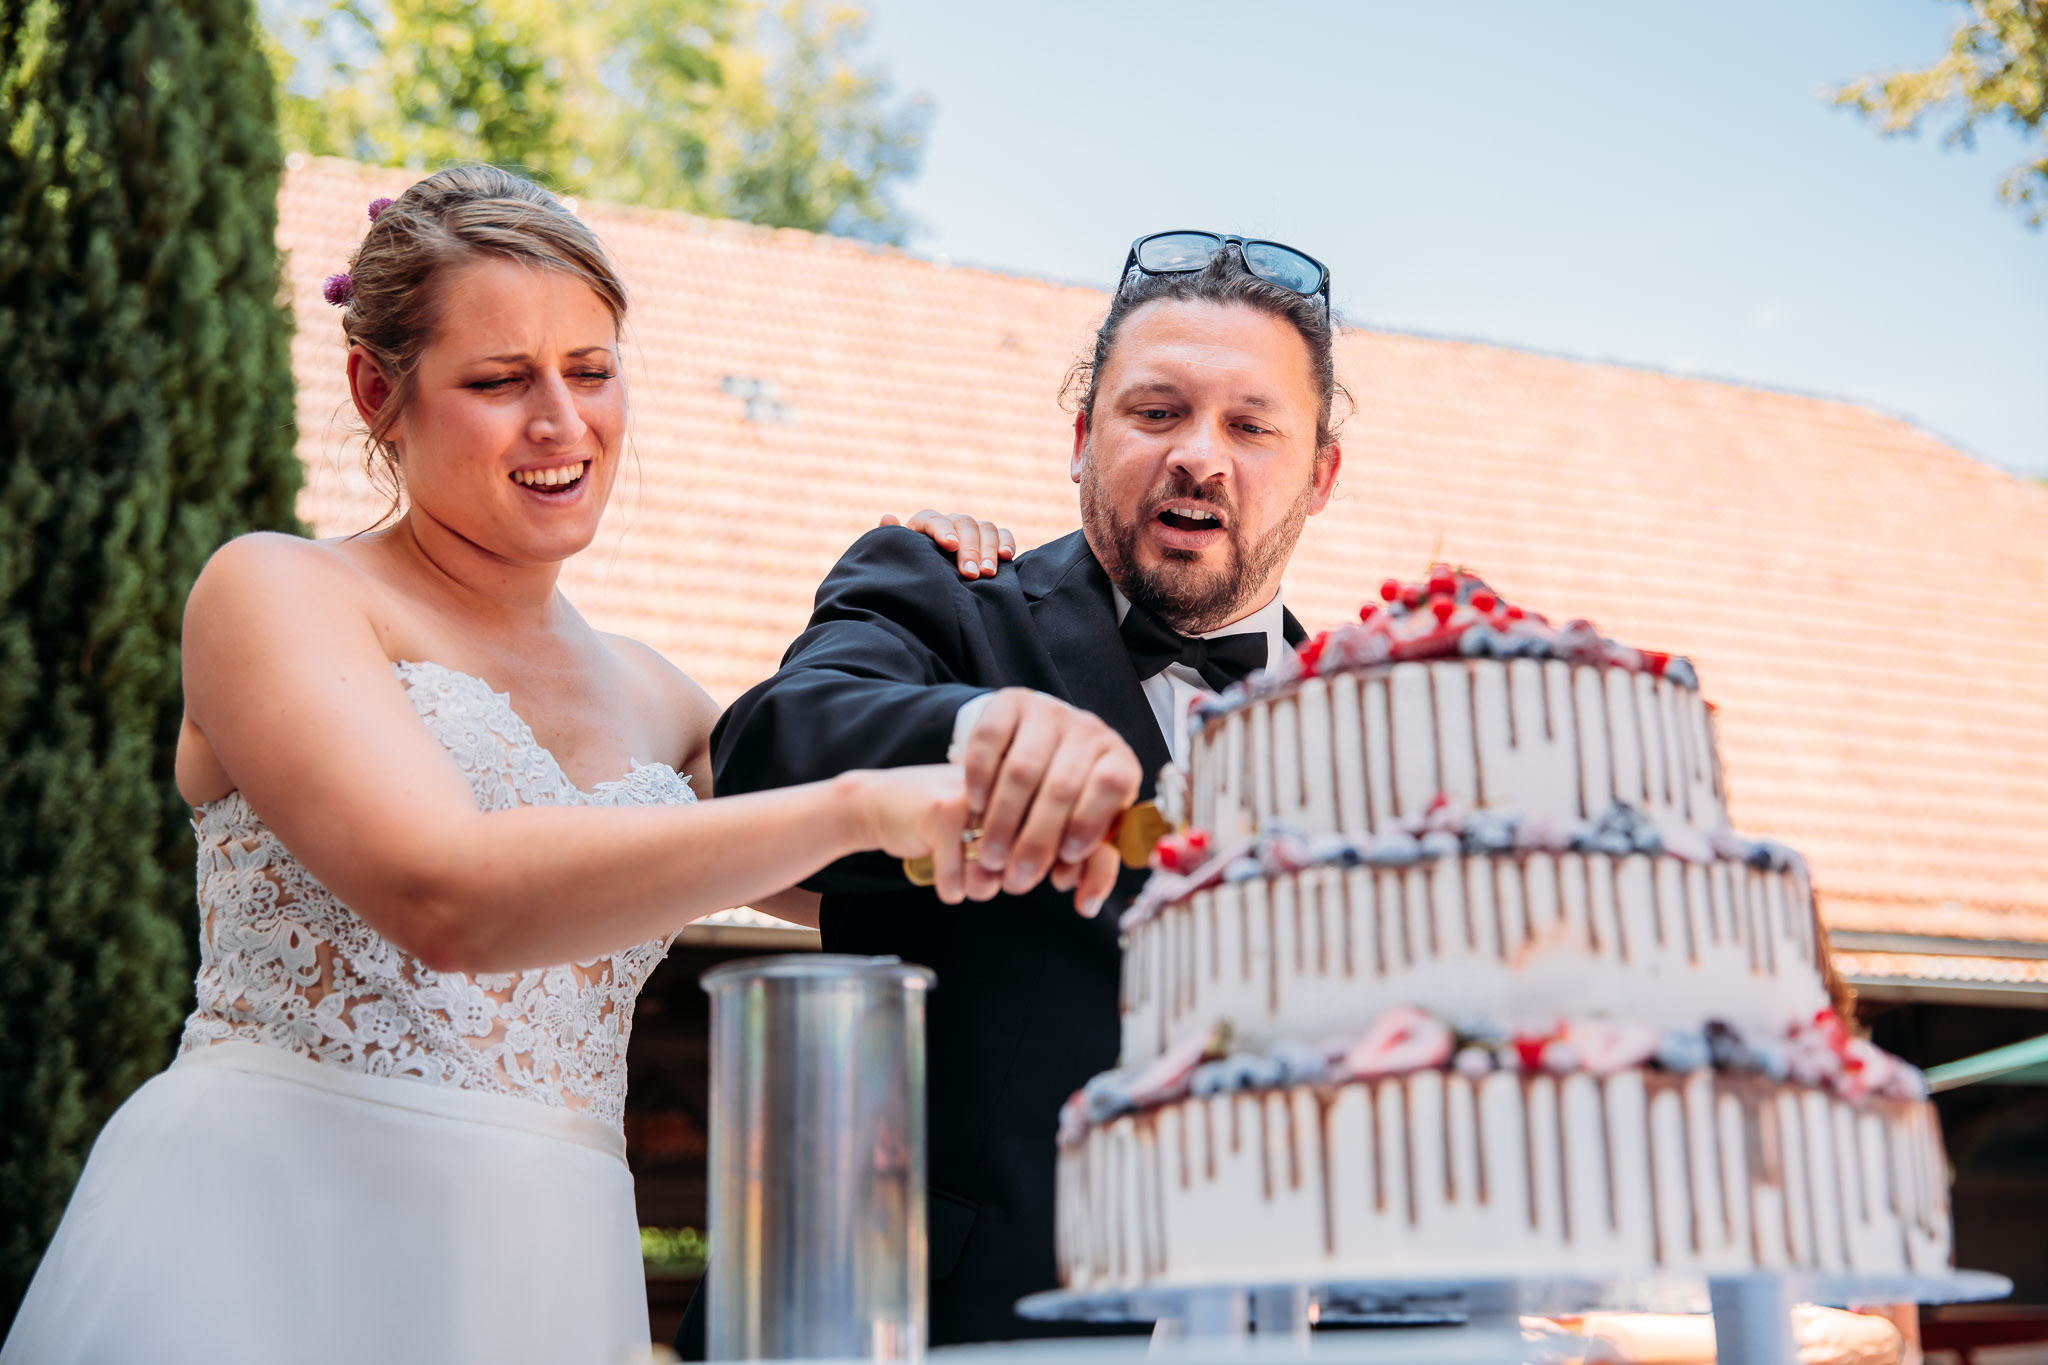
[1937,945]
[1892,990]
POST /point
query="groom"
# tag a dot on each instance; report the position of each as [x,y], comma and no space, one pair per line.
[1203,443]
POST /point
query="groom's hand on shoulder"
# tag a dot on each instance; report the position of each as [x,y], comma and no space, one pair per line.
[1047,778]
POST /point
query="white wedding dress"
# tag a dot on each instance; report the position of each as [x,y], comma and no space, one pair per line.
[354,1158]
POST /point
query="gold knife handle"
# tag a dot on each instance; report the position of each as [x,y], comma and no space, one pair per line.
[1133,833]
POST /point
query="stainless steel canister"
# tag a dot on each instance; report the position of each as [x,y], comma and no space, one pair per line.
[817,1245]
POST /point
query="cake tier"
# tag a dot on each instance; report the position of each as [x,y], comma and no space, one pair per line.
[1509,1174]
[1364,752]
[1508,938]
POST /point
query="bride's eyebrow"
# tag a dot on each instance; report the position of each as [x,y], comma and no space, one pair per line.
[522,357]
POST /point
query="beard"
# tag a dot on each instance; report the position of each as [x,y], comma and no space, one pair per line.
[1180,590]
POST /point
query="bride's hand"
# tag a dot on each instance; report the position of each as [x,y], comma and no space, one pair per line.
[976,544]
[917,812]
[921,812]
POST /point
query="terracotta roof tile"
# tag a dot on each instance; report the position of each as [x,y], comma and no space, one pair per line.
[1868,607]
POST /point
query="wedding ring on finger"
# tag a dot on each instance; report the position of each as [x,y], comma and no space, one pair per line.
[970,845]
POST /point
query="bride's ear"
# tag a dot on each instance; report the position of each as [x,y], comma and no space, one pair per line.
[368,386]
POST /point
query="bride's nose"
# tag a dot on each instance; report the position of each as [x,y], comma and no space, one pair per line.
[553,419]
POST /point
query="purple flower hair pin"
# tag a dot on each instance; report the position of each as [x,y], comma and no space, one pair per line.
[339,289]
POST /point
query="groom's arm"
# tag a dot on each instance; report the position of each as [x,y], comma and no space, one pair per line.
[875,681]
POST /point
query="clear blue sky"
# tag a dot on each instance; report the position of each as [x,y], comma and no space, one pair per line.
[1661,185]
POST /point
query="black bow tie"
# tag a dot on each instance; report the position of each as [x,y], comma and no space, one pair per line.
[1221,661]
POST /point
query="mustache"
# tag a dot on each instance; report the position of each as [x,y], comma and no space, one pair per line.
[1179,488]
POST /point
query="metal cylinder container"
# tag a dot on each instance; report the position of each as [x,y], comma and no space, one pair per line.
[817,1160]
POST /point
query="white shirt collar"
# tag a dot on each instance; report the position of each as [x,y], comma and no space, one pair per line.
[1270,619]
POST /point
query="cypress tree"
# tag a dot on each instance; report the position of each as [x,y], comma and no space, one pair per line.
[145,417]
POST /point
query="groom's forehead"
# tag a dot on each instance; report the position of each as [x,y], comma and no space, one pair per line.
[1181,348]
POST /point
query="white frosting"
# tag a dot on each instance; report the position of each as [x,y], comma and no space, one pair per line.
[1361,752]
[1509,939]
[1506,1175]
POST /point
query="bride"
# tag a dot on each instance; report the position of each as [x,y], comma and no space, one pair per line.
[446,829]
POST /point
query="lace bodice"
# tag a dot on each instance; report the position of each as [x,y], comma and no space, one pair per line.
[284,964]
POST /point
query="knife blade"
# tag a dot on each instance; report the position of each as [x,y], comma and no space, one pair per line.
[1133,834]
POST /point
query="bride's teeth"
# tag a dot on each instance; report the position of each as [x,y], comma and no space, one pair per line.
[550,478]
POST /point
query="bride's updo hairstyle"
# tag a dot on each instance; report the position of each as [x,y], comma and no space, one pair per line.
[390,297]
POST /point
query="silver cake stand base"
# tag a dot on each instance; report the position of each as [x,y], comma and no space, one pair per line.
[1752,1312]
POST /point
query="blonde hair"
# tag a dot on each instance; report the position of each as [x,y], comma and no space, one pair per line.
[452,217]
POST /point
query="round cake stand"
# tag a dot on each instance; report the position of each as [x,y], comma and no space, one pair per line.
[1752,1312]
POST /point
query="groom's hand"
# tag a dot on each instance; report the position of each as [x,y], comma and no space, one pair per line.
[1048,778]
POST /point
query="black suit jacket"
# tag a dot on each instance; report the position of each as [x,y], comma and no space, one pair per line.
[1026,1005]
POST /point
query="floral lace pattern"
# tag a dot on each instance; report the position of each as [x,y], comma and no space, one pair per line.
[284,964]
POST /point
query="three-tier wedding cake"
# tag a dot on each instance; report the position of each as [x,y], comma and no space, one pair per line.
[1456,966]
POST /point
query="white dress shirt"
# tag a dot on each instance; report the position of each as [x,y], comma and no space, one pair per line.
[1173,691]
[1170,692]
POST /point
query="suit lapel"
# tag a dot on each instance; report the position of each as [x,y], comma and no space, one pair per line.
[1070,603]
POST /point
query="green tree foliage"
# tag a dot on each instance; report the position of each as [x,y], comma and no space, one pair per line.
[731,108]
[145,416]
[1996,68]
[802,137]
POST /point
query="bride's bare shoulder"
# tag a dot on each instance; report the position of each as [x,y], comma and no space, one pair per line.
[260,557]
[677,708]
[280,587]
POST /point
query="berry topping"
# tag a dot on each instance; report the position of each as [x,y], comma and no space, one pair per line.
[1390,589]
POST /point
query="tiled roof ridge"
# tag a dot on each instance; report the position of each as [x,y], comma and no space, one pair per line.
[802,239]
[1860,406]
[382,177]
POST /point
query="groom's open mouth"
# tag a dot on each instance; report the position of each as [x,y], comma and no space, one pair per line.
[1187,525]
[553,481]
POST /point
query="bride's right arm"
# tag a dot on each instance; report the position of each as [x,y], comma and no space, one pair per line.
[287,680]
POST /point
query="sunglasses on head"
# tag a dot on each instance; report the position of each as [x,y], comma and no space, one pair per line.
[1184,252]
